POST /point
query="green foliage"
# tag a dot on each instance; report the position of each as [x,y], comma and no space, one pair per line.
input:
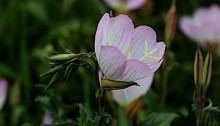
[85,119]
[159,119]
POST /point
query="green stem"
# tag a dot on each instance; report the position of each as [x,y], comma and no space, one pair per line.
[2,123]
[165,74]
[25,62]
[102,102]
[164,84]
[198,118]
[200,102]
[102,105]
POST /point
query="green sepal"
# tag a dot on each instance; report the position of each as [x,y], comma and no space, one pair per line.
[115,85]
[90,63]
[198,67]
[207,69]
[62,57]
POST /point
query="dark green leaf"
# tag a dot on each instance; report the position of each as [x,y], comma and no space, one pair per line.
[53,70]
[38,10]
[27,124]
[85,119]
[58,76]
[159,119]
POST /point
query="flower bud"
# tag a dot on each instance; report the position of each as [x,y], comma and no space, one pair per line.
[115,85]
[15,94]
[198,67]
[62,57]
[207,69]
[170,23]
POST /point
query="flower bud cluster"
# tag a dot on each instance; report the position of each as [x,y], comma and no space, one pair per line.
[202,76]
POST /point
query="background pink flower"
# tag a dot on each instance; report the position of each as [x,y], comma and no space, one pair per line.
[203,26]
[47,119]
[125,5]
[3,92]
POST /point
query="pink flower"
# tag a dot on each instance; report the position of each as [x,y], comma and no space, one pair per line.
[47,119]
[125,5]
[3,92]
[125,53]
[125,97]
[203,26]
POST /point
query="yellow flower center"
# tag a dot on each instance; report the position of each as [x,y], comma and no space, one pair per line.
[107,43]
[121,8]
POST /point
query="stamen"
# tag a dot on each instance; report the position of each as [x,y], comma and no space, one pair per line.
[126,49]
[129,55]
[149,54]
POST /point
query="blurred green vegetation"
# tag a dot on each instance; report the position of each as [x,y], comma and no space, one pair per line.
[32,29]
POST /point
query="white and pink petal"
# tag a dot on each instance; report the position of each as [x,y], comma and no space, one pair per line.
[135,4]
[135,70]
[118,29]
[125,96]
[101,33]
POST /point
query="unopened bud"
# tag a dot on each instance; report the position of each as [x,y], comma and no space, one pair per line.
[15,94]
[198,67]
[170,23]
[62,57]
[207,69]
[115,85]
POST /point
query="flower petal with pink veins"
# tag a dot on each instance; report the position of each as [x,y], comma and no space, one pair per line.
[157,50]
[118,29]
[137,39]
[125,96]
[101,32]
[135,70]
[112,62]
[112,32]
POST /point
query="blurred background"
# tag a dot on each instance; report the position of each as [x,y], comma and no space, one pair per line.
[33,29]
